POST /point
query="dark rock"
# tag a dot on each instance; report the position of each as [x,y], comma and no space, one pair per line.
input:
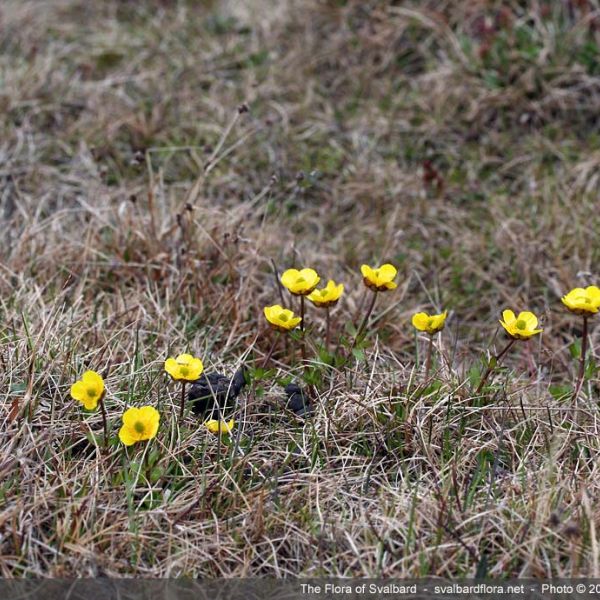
[297,400]
[214,393]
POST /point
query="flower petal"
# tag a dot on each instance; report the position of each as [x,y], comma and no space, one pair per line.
[79,391]
[529,318]
[289,277]
[387,272]
[125,436]
[171,367]
[508,316]
[420,321]
[367,272]
[92,378]
[184,359]
[91,403]
[130,416]
[212,425]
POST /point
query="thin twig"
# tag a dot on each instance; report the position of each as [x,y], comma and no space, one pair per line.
[428,359]
[584,342]
[183,383]
[492,365]
[365,320]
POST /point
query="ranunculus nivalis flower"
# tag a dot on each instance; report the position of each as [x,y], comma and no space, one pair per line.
[583,301]
[281,318]
[429,323]
[184,368]
[215,426]
[327,296]
[300,283]
[521,327]
[88,390]
[139,424]
[380,279]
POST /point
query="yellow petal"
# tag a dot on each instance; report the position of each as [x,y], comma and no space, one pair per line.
[508,316]
[529,318]
[92,378]
[130,416]
[438,321]
[79,391]
[289,278]
[171,367]
[420,321]
[294,322]
[212,425]
[125,436]
[151,419]
[387,272]
[196,367]
[310,276]
[593,292]
[215,426]
[316,297]
[367,272]
[184,359]
[90,403]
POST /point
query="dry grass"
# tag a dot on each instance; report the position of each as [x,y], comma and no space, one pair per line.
[141,212]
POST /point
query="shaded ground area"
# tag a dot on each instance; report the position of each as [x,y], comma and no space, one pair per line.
[159,159]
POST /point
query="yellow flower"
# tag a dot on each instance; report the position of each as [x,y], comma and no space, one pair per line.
[88,390]
[215,426]
[139,424]
[327,296]
[281,318]
[300,283]
[184,368]
[429,323]
[380,279]
[521,327]
[583,301]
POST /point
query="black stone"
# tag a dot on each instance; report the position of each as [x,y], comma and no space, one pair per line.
[297,400]
[214,393]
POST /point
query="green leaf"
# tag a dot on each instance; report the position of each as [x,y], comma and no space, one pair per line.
[359,354]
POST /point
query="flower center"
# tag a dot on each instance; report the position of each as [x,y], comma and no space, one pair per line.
[300,280]
[139,427]
[283,317]
[430,322]
[323,293]
[91,392]
[184,371]
[521,324]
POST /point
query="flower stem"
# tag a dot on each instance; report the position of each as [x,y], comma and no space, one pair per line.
[327,328]
[492,365]
[584,343]
[270,352]
[428,359]
[182,399]
[302,329]
[365,320]
[104,421]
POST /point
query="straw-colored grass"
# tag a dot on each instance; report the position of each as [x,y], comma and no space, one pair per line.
[158,159]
